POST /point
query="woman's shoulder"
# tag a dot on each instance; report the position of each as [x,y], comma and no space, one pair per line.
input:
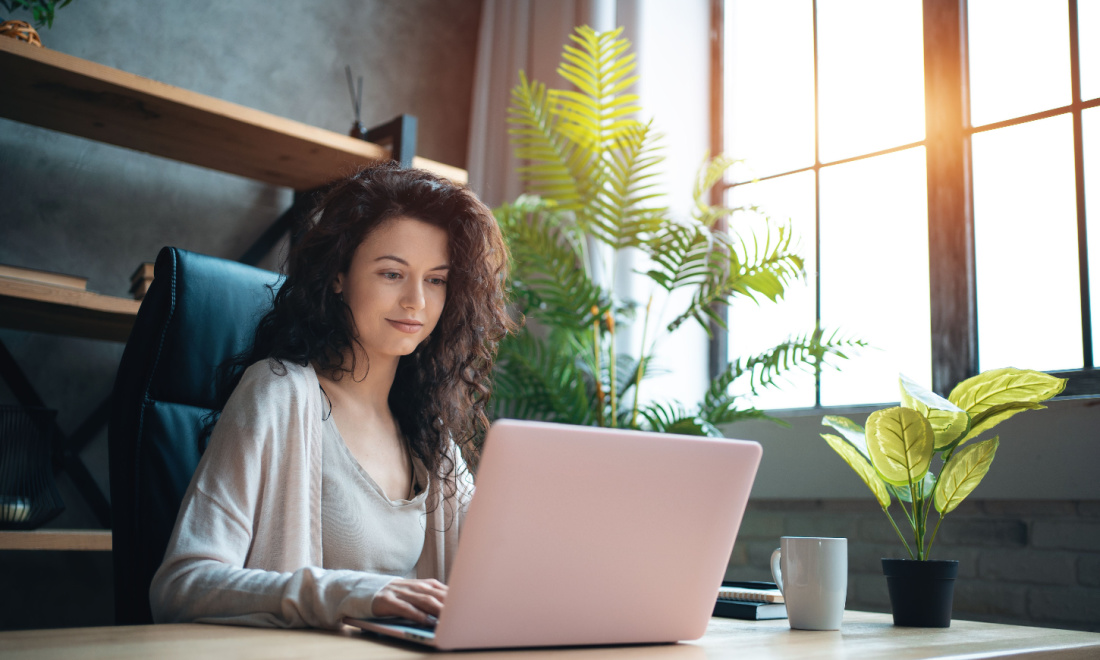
[275,373]
[274,383]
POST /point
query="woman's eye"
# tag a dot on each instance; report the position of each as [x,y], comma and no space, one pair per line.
[391,276]
[438,281]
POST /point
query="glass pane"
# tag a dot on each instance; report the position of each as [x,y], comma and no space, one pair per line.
[1019,58]
[758,328]
[1088,45]
[1025,245]
[874,274]
[769,86]
[870,74]
[1091,130]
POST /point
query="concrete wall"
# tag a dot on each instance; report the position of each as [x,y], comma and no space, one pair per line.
[76,206]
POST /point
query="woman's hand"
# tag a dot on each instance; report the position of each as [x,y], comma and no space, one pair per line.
[416,600]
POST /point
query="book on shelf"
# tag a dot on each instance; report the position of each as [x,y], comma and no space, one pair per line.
[44,277]
[756,601]
[140,280]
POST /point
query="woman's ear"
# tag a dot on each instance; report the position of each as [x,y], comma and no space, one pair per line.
[338,285]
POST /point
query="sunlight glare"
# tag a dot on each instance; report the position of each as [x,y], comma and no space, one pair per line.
[1025,236]
[871,76]
[1088,46]
[874,260]
[758,328]
[770,86]
[1019,58]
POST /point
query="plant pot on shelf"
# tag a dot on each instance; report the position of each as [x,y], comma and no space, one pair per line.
[921,592]
[28,493]
[21,30]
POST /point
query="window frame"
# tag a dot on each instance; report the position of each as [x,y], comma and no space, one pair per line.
[948,134]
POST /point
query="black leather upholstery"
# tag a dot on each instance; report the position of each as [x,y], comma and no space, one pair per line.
[199,311]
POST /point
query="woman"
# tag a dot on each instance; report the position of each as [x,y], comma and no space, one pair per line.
[334,483]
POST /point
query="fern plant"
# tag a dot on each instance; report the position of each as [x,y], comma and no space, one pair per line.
[590,167]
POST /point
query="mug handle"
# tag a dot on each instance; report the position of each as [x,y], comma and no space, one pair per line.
[777,573]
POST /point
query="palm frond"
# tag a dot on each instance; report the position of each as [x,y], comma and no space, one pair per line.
[751,267]
[682,255]
[623,210]
[558,169]
[710,173]
[538,380]
[674,418]
[548,265]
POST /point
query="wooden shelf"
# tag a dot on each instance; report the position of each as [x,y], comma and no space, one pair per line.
[57,539]
[64,93]
[26,305]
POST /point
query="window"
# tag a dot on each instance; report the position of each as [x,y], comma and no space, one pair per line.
[935,158]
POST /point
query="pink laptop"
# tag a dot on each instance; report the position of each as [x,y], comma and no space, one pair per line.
[580,536]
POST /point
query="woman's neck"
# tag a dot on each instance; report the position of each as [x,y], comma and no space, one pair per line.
[368,386]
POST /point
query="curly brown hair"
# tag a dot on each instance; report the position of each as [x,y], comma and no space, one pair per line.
[440,391]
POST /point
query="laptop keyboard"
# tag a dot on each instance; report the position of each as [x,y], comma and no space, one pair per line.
[408,623]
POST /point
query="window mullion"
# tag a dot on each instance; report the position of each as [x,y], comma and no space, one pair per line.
[950,207]
[1079,169]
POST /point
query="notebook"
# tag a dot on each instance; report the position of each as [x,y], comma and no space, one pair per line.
[750,600]
[586,536]
[764,592]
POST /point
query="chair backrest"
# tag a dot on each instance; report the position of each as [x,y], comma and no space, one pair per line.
[199,311]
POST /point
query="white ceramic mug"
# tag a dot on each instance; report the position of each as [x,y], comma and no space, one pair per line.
[812,573]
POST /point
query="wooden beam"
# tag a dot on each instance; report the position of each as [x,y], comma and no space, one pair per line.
[53,90]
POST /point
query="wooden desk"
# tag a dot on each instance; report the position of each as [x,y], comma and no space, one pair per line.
[863,635]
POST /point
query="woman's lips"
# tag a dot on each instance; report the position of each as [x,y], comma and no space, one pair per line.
[411,327]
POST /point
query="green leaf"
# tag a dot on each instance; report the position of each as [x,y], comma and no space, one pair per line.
[673,418]
[994,415]
[999,387]
[900,441]
[949,422]
[1009,385]
[963,473]
[862,467]
[851,431]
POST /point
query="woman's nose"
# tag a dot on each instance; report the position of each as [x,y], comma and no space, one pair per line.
[414,296]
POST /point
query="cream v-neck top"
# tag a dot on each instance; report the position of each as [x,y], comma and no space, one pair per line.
[361,528]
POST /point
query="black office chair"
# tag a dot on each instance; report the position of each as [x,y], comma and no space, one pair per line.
[199,311]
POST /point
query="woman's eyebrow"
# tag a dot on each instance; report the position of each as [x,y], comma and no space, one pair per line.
[405,263]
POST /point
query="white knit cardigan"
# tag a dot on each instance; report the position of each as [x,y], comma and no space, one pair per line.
[246,548]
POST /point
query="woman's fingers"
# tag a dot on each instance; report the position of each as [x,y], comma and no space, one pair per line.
[412,599]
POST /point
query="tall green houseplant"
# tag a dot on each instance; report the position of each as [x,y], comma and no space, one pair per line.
[590,166]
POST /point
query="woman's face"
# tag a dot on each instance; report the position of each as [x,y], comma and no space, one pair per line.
[396,285]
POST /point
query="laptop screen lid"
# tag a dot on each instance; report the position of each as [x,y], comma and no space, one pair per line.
[582,535]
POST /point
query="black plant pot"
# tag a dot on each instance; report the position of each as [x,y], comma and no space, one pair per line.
[921,591]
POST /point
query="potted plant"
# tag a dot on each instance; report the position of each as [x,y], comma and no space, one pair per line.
[894,456]
[590,164]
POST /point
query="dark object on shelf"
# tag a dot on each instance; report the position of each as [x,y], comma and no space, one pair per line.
[28,493]
[921,592]
[199,311]
[140,280]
